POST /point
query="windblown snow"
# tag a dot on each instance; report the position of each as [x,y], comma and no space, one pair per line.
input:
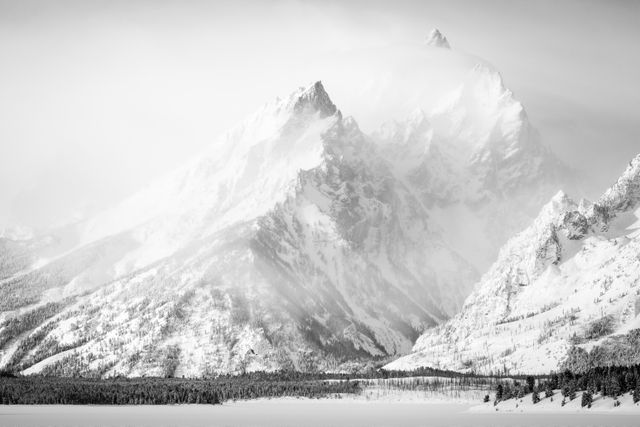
[296,242]
[569,280]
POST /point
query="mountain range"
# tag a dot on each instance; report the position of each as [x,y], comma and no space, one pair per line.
[563,293]
[298,241]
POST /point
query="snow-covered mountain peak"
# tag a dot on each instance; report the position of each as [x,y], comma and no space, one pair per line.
[572,267]
[314,98]
[478,152]
[484,91]
[304,103]
[487,86]
[481,112]
[436,39]
[293,244]
[298,241]
[244,173]
[625,193]
[559,203]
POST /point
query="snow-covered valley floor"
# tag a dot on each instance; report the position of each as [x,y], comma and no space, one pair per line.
[375,408]
[546,405]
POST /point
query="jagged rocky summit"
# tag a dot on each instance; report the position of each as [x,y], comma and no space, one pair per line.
[296,242]
[563,293]
[436,39]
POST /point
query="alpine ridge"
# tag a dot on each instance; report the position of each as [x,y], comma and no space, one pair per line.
[303,251]
[562,293]
[296,241]
[476,162]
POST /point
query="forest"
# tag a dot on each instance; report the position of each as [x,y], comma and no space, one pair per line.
[26,390]
[41,389]
[611,381]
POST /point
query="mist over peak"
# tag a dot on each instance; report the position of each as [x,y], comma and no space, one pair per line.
[416,216]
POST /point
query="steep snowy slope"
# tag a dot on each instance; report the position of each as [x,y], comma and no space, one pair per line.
[253,167]
[297,248]
[571,278]
[297,241]
[476,162]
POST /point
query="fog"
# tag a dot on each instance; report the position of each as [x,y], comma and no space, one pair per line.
[99,97]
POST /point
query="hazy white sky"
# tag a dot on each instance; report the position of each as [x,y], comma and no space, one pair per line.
[99,97]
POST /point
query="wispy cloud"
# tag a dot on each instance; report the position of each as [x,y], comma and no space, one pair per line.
[98,97]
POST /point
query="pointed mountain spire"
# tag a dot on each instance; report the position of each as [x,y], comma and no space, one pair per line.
[436,39]
[316,98]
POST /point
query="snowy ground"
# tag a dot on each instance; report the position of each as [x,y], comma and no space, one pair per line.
[600,404]
[383,402]
[301,412]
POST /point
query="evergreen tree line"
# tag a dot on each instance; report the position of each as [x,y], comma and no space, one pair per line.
[42,389]
[611,381]
[161,391]
[39,389]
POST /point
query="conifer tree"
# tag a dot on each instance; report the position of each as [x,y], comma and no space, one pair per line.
[548,391]
[530,384]
[535,397]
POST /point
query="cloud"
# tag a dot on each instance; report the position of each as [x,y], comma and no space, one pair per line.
[98,98]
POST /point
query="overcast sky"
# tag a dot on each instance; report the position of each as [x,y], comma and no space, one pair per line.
[99,97]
